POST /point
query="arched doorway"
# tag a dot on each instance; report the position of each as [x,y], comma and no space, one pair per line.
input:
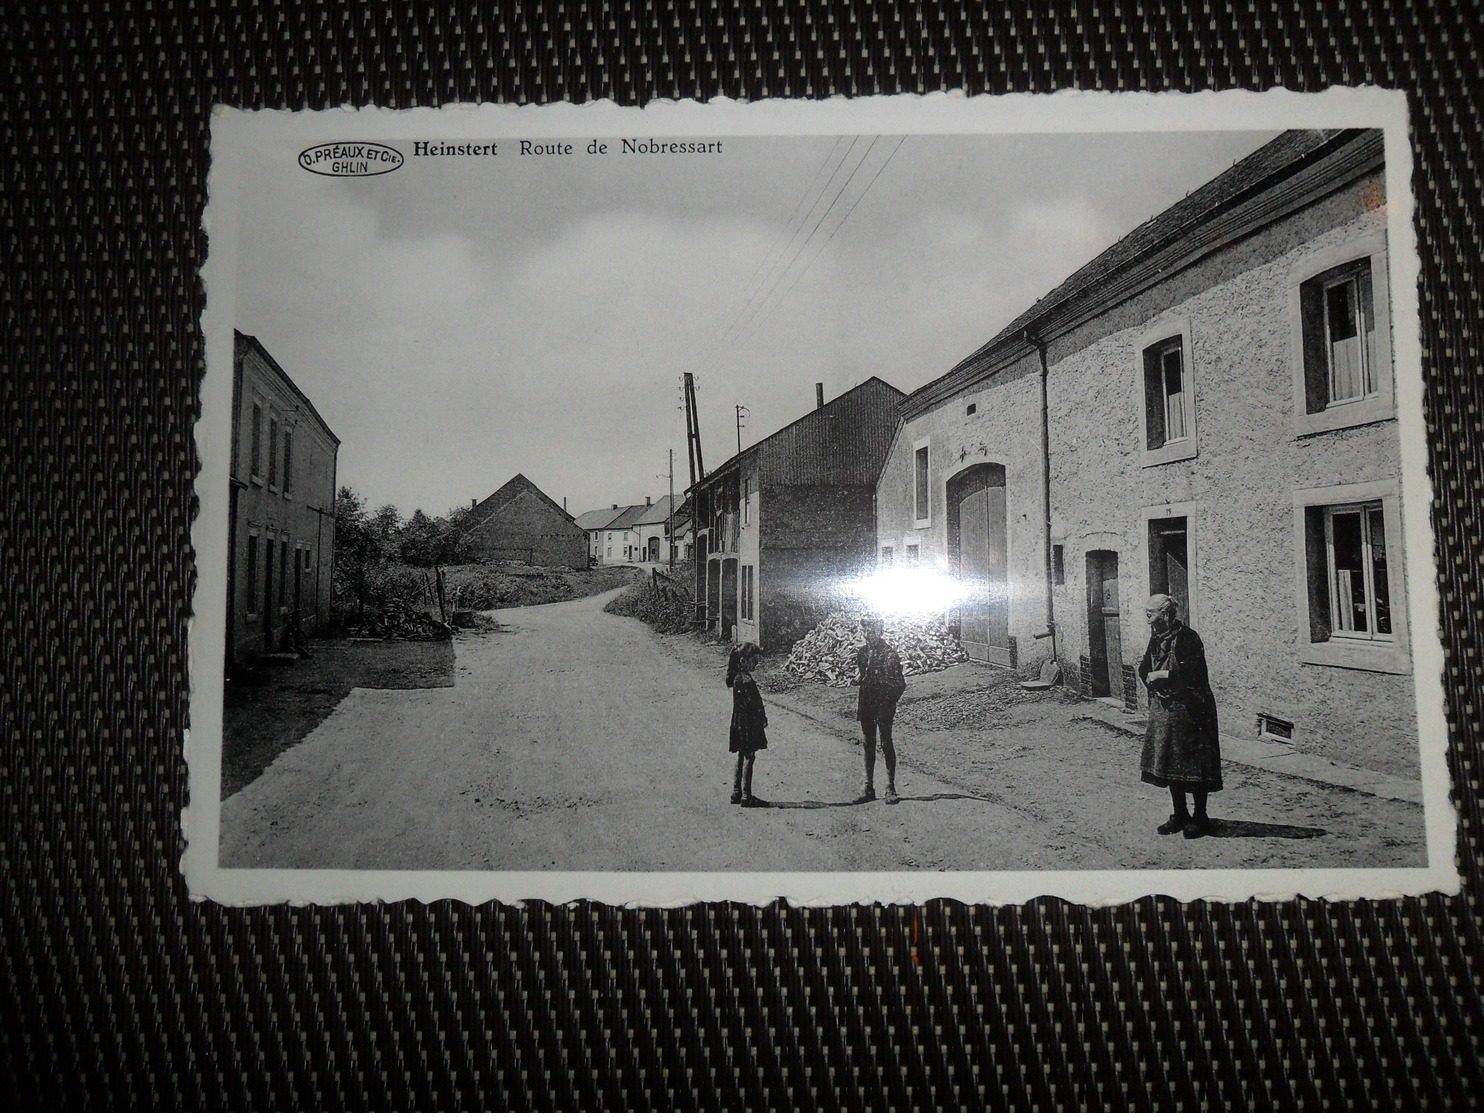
[1104,626]
[978,548]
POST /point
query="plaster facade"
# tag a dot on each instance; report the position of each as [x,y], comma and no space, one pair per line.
[1241,494]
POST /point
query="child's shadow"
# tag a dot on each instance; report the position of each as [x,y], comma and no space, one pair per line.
[1238,828]
[819,804]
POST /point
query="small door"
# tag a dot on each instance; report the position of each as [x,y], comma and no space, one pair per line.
[713,592]
[1104,625]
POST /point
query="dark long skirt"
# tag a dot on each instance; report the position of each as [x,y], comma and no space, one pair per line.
[1181,746]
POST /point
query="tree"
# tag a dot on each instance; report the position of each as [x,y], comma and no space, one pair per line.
[421,540]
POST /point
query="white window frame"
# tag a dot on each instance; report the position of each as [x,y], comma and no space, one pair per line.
[1389,655]
[747,499]
[1381,403]
[922,514]
[1188,445]
[1186,510]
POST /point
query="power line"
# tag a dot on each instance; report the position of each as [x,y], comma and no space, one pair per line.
[783,297]
[785,237]
[732,343]
[756,324]
[773,276]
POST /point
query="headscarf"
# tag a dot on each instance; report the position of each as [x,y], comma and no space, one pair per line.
[1160,603]
[1160,639]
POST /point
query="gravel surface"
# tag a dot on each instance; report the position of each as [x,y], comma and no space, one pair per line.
[577,740]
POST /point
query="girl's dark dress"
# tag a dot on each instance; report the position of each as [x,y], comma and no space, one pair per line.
[1181,746]
[748,715]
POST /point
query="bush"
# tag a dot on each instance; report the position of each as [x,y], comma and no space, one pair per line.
[663,609]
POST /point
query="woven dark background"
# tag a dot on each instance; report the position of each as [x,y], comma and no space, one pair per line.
[120,992]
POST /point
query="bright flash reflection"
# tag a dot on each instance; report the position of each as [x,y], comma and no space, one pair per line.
[907,591]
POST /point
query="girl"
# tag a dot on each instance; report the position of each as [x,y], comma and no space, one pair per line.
[748,720]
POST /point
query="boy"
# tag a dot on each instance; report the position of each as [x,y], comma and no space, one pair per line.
[878,673]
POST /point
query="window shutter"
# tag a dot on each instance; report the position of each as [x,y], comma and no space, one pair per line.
[1316,363]
[1154,399]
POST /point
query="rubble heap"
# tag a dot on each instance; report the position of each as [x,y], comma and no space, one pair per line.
[827,651]
[400,621]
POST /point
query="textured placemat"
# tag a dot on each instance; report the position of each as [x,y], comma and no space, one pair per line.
[119,992]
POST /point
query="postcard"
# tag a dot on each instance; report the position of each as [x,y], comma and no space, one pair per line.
[849,501]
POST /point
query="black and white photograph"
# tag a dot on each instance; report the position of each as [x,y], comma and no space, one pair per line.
[884,500]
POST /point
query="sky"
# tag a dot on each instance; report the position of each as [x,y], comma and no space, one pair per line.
[459,321]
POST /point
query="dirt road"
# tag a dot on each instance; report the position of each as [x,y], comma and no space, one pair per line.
[578,740]
[570,741]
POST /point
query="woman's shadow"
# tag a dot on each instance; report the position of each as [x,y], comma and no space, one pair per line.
[1241,828]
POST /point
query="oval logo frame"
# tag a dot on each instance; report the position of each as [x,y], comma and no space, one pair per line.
[350,159]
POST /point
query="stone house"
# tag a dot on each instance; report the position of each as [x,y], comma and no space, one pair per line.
[780,525]
[652,531]
[593,523]
[520,523]
[281,516]
[1205,409]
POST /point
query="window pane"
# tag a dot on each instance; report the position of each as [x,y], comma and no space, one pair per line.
[1347,374]
[1340,305]
[1174,385]
[1349,573]
[1377,526]
[920,483]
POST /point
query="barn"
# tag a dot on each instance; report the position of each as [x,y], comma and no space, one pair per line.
[520,523]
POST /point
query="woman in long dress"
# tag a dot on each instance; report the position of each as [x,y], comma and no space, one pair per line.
[1182,750]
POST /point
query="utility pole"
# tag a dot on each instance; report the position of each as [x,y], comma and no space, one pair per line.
[742,412]
[693,430]
[670,514]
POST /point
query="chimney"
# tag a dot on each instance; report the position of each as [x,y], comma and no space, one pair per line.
[818,394]
[615,508]
[564,504]
[646,502]
[473,502]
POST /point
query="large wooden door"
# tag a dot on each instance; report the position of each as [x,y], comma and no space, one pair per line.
[1104,625]
[728,598]
[977,539]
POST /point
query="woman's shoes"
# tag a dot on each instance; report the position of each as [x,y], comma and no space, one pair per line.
[1175,824]
[1198,828]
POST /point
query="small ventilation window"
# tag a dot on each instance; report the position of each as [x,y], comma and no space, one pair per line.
[1270,728]
[1058,564]
[973,407]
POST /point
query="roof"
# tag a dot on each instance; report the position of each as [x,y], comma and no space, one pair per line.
[619,519]
[597,519]
[1290,170]
[507,492]
[243,341]
[811,444]
[656,513]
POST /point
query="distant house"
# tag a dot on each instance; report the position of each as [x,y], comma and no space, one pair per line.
[778,525]
[651,531]
[281,520]
[593,524]
[1206,409]
[619,542]
[520,523]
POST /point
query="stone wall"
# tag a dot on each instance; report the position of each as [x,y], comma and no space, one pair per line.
[529,529]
